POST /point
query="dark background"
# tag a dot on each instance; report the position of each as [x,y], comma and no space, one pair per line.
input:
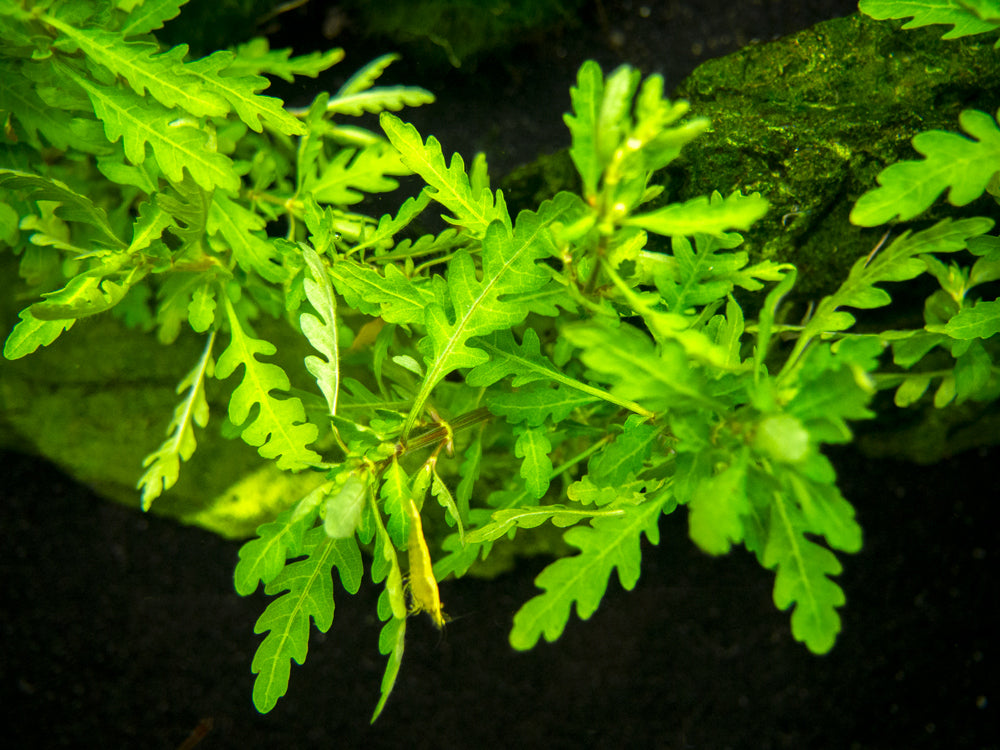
[122,630]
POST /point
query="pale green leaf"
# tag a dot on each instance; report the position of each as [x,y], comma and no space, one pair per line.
[704,215]
[322,331]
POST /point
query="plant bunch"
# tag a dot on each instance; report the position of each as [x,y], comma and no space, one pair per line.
[586,365]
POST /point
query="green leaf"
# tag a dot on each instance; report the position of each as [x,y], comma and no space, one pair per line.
[981,321]
[394,296]
[625,456]
[703,215]
[533,446]
[240,92]
[72,205]
[449,184]
[176,145]
[286,619]
[390,643]
[627,358]
[356,96]
[528,518]
[718,506]
[31,333]
[803,569]
[322,332]
[928,12]
[150,15]
[278,429]
[608,544]
[263,558]
[242,232]
[898,262]
[19,96]
[164,463]
[960,165]
[351,174]
[583,125]
[163,75]
[343,508]
[533,406]
[475,304]
[255,57]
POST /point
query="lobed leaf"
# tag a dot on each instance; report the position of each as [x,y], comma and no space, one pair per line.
[286,620]
[449,184]
[609,544]
[962,166]
[955,13]
[176,145]
[278,428]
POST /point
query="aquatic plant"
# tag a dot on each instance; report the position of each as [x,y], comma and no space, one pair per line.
[580,369]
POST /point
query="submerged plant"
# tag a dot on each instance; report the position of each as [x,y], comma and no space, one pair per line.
[565,367]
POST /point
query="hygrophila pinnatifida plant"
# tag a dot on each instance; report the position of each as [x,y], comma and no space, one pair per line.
[565,366]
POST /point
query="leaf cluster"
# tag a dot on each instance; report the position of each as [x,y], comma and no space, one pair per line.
[580,369]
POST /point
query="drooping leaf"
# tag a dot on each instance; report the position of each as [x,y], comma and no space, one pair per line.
[278,428]
[609,544]
[309,587]
[322,331]
[164,463]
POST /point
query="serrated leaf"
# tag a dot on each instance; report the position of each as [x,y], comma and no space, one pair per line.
[163,75]
[164,463]
[960,165]
[242,231]
[256,57]
[449,184]
[351,174]
[583,124]
[261,559]
[475,304]
[529,518]
[72,205]
[278,428]
[533,447]
[390,643]
[322,332]
[19,96]
[897,262]
[149,16]
[609,544]
[927,13]
[704,215]
[981,321]
[343,508]
[241,93]
[31,333]
[176,145]
[625,456]
[394,297]
[717,508]
[802,577]
[286,619]
[533,406]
